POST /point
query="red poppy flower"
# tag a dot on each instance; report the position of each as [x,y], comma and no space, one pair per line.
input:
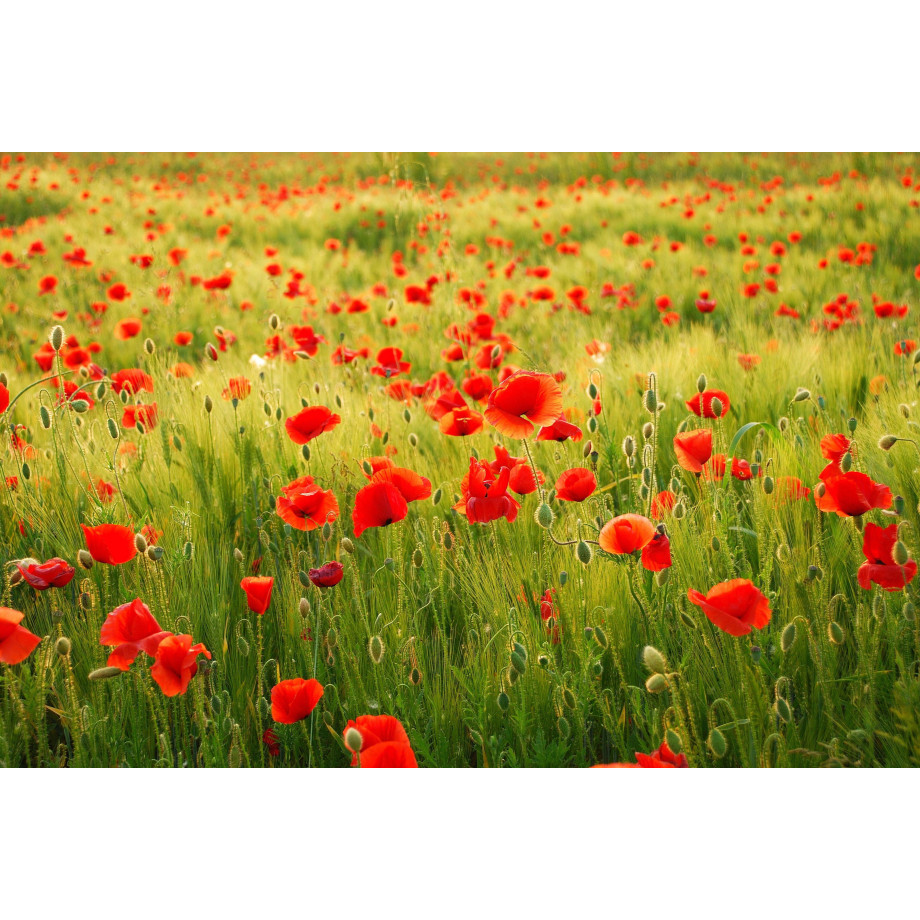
[132,629]
[151,534]
[880,567]
[295,699]
[55,573]
[127,329]
[741,469]
[175,664]
[305,505]
[663,757]
[693,449]
[182,338]
[484,494]
[310,423]
[384,742]
[663,502]
[270,740]
[834,446]
[237,388]
[701,404]
[575,485]
[734,606]
[306,339]
[626,533]
[390,363]
[560,430]
[4,398]
[460,422]
[118,292]
[411,486]
[146,415]
[132,380]
[258,592]
[521,479]
[376,464]
[378,504]
[112,544]
[16,642]
[327,575]
[657,554]
[523,401]
[47,285]
[851,494]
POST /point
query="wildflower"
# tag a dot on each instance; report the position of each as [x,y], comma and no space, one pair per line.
[258,592]
[880,567]
[384,742]
[693,449]
[295,699]
[132,629]
[310,423]
[734,606]
[55,573]
[112,544]
[16,642]
[305,505]
[175,664]
[522,401]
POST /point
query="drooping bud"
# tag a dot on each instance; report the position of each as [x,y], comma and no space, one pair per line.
[781,708]
[900,554]
[662,577]
[657,683]
[835,633]
[584,552]
[846,462]
[801,394]
[149,347]
[887,441]
[569,698]
[788,637]
[600,637]
[503,701]
[104,673]
[654,660]
[84,559]
[114,433]
[717,744]
[673,741]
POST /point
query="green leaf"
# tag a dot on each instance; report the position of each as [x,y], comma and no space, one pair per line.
[744,429]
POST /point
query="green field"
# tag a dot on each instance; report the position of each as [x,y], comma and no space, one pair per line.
[243,289]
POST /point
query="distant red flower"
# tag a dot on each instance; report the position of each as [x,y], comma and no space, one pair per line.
[327,575]
[880,567]
[693,449]
[905,347]
[55,573]
[182,338]
[237,388]
[112,544]
[390,363]
[118,292]
[522,401]
[175,664]
[258,592]
[749,362]
[146,415]
[293,700]
[662,502]
[575,485]
[47,285]
[626,534]
[132,629]
[310,423]
[378,504]
[305,505]
[133,380]
[384,742]
[701,404]
[16,642]
[734,606]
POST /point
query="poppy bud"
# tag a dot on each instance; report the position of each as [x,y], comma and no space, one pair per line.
[243,646]
[657,683]
[347,545]
[900,554]
[26,470]
[448,539]
[503,701]
[562,723]
[852,423]
[904,409]
[274,322]
[368,469]
[701,383]
[518,663]
[678,511]
[189,549]
[86,600]
[155,553]
[413,439]
[589,633]
[787,640]
[376,649]
[592,391]
[327,532]
[513,676]
[629,445]
[544,516]
[661,577]
[716,544]
[569,698]
[84,559]
[57,338]
[149,347]
[886,442]
[801,394]
[211,351]
[835,633]
[673,741]
[650,401]
[654,660]
[648,429]
[687,620]
[303,607]
[584,553]
[781,708]
[717,744]
[909,612]
[44,417]
[237,554]
[768,485]
[103,673]
[208,404]
[563,577]
[140,542]
[62,646]
[417,558]
[114,433]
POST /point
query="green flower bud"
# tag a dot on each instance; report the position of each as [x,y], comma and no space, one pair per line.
[701,383]
[44,417]
[544,516]
[835,633]
[503,701]
[62,646]
[584,552]
[673,741]
[569,698]
[103,673]
[600,637]
[654,660]
[57,338]
[768,485]
[717,744]
[900,554]
[657,683]
[782,710]
[376,649]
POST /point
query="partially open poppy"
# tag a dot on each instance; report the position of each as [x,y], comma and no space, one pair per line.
[112,544]
[575,485]
[656,555]
[295,699]
[693,449]
[327,575]
[132,629]
[305,505]
[310,423]
[484,494]
[663,757]
[258,592]
[411,486]
[880,567]
[16,642]
[850,494]
[701,404]
[175,664]
[384,742]
[626,533]
[55,573]
[734,606]
[378,504]
[523,401]
[560,430]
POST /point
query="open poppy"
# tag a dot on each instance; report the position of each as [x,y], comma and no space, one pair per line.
[626,533]
[16,642]
[662,757]
[390,363]
[575,485]
[880,567]
[834,446]
[258,592]
[484,494]
[133,380]
[850,494]
[522,402]
[55,573]
[663,502]
[310,423]
[175,664]
[411,486]
[384,742]
[693,449]
[701,404]
[734,606]
[378,504]
[295,699]
[460,422]
[560,430]
[656,555]
[305,505]
[112,544]
[132,629]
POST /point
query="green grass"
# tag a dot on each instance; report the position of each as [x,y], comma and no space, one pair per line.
[446,597]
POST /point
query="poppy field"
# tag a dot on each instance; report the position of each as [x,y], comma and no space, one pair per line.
[459,460]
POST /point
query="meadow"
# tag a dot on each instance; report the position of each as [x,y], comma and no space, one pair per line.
[459,460]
